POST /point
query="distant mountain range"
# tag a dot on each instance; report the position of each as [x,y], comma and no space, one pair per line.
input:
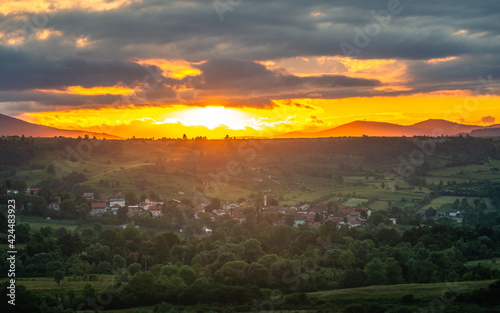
[432,127]
[10,126]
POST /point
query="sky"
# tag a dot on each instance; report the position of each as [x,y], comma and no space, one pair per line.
[247,68]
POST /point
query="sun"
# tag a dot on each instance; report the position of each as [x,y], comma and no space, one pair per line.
[214,116]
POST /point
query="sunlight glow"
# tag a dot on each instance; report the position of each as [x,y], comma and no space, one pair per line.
[212,117]
[79,90]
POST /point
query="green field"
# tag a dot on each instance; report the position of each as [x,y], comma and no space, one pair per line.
[38,222]
[42,284]
[379,205]
[486,262]
[443,203]
[420,291]
[354,201]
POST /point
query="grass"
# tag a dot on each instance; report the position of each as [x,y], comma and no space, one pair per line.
[354,201]
[487,262]
[38,222]
[43,284]
[420,291]
[379,205]
[443,203]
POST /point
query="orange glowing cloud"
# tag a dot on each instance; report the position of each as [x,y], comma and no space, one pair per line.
[43,34]
[30,6]
[387,71]
[177,69]
[79,90]
[441,60]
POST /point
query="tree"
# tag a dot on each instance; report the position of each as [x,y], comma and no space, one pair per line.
[232,273]
[375,272]
[80,268]
[253,250]
[122,214]
[22,232]
[187,274]
[53,267]
[88,291]
[119,262]
[289,220]
[83,210]
[273,202]
[430,212]
[318,217]
[215,204]
[68,206]
[393,271]
[134,268]
[38,205]
[184,137]
[58,276]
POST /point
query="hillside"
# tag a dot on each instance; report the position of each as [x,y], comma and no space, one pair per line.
[432,127]
[10,126]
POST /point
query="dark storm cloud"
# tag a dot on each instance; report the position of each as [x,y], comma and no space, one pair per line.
[243,75]
[270,29]
[27,70]
[253,30]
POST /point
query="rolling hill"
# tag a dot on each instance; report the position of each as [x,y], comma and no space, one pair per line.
[10,126]
[432,127]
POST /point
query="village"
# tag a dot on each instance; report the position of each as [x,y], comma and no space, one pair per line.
[306,213]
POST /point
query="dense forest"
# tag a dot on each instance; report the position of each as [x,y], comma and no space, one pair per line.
[242,263]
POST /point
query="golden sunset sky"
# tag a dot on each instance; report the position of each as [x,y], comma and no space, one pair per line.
[247,68]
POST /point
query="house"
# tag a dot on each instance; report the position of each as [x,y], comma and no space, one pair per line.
[55,206]
[199,208]
[299,219]
[238,215]
[305,205]
[133,210]
[355,223]
[276,208]
[310,216]
[119,201]
[454,213]
[12,192]
[368,211]
[32,191]
[98,208]
[336,220]
[115,208]
[355,214]
[230,205]
[222,212]
[392,221]
[88,195]
[156,210]
[319,207]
